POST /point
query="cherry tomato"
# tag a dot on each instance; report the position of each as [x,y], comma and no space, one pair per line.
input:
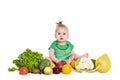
[23,70]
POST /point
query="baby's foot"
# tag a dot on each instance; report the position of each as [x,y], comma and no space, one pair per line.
[85,55]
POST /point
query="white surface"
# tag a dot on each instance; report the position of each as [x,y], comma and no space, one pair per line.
[94,28]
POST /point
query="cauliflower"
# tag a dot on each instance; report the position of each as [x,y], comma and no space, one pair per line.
[84,64]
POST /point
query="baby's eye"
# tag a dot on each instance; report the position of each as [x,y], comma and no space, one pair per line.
[64,33]
[58,33]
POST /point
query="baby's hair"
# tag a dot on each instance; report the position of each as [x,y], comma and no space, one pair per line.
[60,24]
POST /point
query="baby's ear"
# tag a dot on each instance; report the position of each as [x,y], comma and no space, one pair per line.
[55,35]
[68,36]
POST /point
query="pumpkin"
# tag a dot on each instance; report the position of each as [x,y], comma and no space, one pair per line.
[104,63]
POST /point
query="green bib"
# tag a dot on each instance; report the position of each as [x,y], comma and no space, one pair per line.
[62,52]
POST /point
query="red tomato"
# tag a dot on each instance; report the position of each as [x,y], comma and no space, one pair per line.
[23,70]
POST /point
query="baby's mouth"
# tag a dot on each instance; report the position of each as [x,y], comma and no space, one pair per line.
[61,38]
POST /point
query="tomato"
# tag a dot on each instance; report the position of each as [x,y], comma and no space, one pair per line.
[23,70]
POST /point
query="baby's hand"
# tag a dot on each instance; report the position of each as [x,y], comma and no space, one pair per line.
[57,61]
[72,57]
[69,61]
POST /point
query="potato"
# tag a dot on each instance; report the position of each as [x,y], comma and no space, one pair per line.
[36,71]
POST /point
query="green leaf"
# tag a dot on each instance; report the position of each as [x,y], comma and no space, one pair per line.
[12,69]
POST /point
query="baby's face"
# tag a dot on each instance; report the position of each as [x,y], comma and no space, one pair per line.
[61,34]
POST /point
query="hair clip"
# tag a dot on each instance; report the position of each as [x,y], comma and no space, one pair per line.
[60,22]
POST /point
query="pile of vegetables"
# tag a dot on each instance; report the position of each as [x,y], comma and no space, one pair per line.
[33,62]
[29,59]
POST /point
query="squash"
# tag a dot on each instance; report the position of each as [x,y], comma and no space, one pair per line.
[104,62]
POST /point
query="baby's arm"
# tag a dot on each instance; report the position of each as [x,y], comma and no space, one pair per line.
[52,56]
[73,56]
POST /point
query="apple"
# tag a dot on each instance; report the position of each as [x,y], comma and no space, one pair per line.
[56,70]
[48,70]
[61,63]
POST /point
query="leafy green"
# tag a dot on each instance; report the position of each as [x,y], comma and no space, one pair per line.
[29,59]
[94,69]
[12,69]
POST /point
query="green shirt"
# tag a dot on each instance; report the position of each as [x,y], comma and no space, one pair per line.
[62,52]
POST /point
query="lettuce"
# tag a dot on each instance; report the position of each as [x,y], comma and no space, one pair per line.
[29,59]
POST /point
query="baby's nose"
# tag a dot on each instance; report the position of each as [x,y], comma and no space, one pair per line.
[61,35]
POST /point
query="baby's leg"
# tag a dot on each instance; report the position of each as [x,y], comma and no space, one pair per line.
[76,56]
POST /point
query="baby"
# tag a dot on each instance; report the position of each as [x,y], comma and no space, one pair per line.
[61,48]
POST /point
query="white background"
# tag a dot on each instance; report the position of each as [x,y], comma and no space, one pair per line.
[93,24]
